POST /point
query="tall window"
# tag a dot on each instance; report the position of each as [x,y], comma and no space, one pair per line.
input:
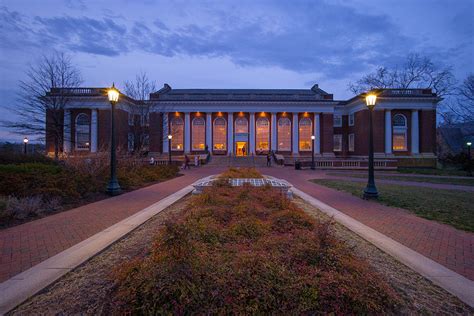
[131,141]
[337,120]
[351,142]
[177,130]
[263,134]
[400,129]
[338,142]
[241,125]
[351,119]
[284,134]
[305,132]
[219,134]
[83,136]
[199,133]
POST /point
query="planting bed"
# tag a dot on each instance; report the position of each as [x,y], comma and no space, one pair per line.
[242,250]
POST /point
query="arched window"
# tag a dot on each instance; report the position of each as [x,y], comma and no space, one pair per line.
[284,134]
[305,132]
[177,130]
[241,125]
[199,133]
[399,134]
[219,134]
[83,126]
[263,134]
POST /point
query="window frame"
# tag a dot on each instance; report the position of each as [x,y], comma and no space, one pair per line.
[400,130]
[351,142]
[334,120]
[76,142]
[241,118]
[266,133]
[214,131]
[193,136]
[278,134]
[173,139]
[339,136]
[351,119]
[307,119]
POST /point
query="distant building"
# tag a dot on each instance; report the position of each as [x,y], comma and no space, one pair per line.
[452,138]
[246,122]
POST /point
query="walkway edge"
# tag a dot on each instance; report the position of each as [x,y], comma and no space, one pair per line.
[447,279]
[19,288]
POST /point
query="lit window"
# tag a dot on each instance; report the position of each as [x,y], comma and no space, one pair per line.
[131,142]
[351,119]
[400,128]
[199,133]
[351,142]
[263,134]
[337,120]
[305,133]
[219,134]
[241,125]
[338,142]
[177,130]
[83,132]
[284,134]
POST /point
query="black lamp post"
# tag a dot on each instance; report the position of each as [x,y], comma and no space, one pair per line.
[25,143]
[312,152]
[469,158]
[113,187]
[170,137]
[370,191]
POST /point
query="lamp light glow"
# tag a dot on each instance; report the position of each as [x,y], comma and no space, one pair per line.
[469,143]
[25,140]
[170,137]
[113,94]
[370,100]
[313,137]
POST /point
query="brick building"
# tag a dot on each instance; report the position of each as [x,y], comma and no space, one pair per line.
[245,122]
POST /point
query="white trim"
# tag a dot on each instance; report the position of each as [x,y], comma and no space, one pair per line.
[388,131]
[274,129]
[295,138]
[351,144]
[94,131]
[415,132]
[187,133]
[334,120]
[317,133]
[209,131]
[230,132]
[67,131]
[165,133]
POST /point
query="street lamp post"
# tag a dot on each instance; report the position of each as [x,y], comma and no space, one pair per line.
[113,187]
[169,148]
[25,143]
[370,191]
[469,158]
[312,152]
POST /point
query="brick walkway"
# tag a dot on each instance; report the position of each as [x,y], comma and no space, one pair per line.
[26,245]
[442,243]
[23,246]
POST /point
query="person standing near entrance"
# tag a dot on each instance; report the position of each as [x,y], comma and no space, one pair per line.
[269,159]
[243,151]
[186,162]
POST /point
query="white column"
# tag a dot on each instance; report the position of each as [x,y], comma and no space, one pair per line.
[165,132]
[187,132]
[230,133]
[295,134]
[67,131]
[388,131]
[317,133]
[209,130]
[415,133]
[252,133]
[94,131]
[274,132]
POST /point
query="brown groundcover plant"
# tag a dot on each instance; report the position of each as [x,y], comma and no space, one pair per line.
[247,250]
[233,173]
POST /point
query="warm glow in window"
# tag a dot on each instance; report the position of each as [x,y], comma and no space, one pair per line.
[305,134]
[177,130]
[284,134]
[199,133]
[241,125]
[219,134]
[399,138]
[83,132]
[263,134]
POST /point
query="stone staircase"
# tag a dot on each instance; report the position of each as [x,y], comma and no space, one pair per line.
[231,161]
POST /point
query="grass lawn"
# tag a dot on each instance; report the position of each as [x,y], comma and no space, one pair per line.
[437,172]
[412,178]
[452,207]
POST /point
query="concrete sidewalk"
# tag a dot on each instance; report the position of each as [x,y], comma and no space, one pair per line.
[441,243]
[26,245]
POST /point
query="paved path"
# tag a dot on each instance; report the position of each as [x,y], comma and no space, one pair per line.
[442,243]
[442,186]
[23,246]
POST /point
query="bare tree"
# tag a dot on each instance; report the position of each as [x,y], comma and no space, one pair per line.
[416,72]
[41,101]
[463,107]
[140,89]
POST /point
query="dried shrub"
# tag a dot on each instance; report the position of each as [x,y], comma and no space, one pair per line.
[233,173]
[21,208]
[228,255]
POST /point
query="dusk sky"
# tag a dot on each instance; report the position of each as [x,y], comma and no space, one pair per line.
[232,44]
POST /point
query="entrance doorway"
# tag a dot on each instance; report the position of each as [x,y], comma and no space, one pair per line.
[241,149]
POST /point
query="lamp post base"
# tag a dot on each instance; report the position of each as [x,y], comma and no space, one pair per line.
[113,188]
[370,193]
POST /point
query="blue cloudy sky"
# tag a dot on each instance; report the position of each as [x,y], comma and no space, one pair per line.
[232,44]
